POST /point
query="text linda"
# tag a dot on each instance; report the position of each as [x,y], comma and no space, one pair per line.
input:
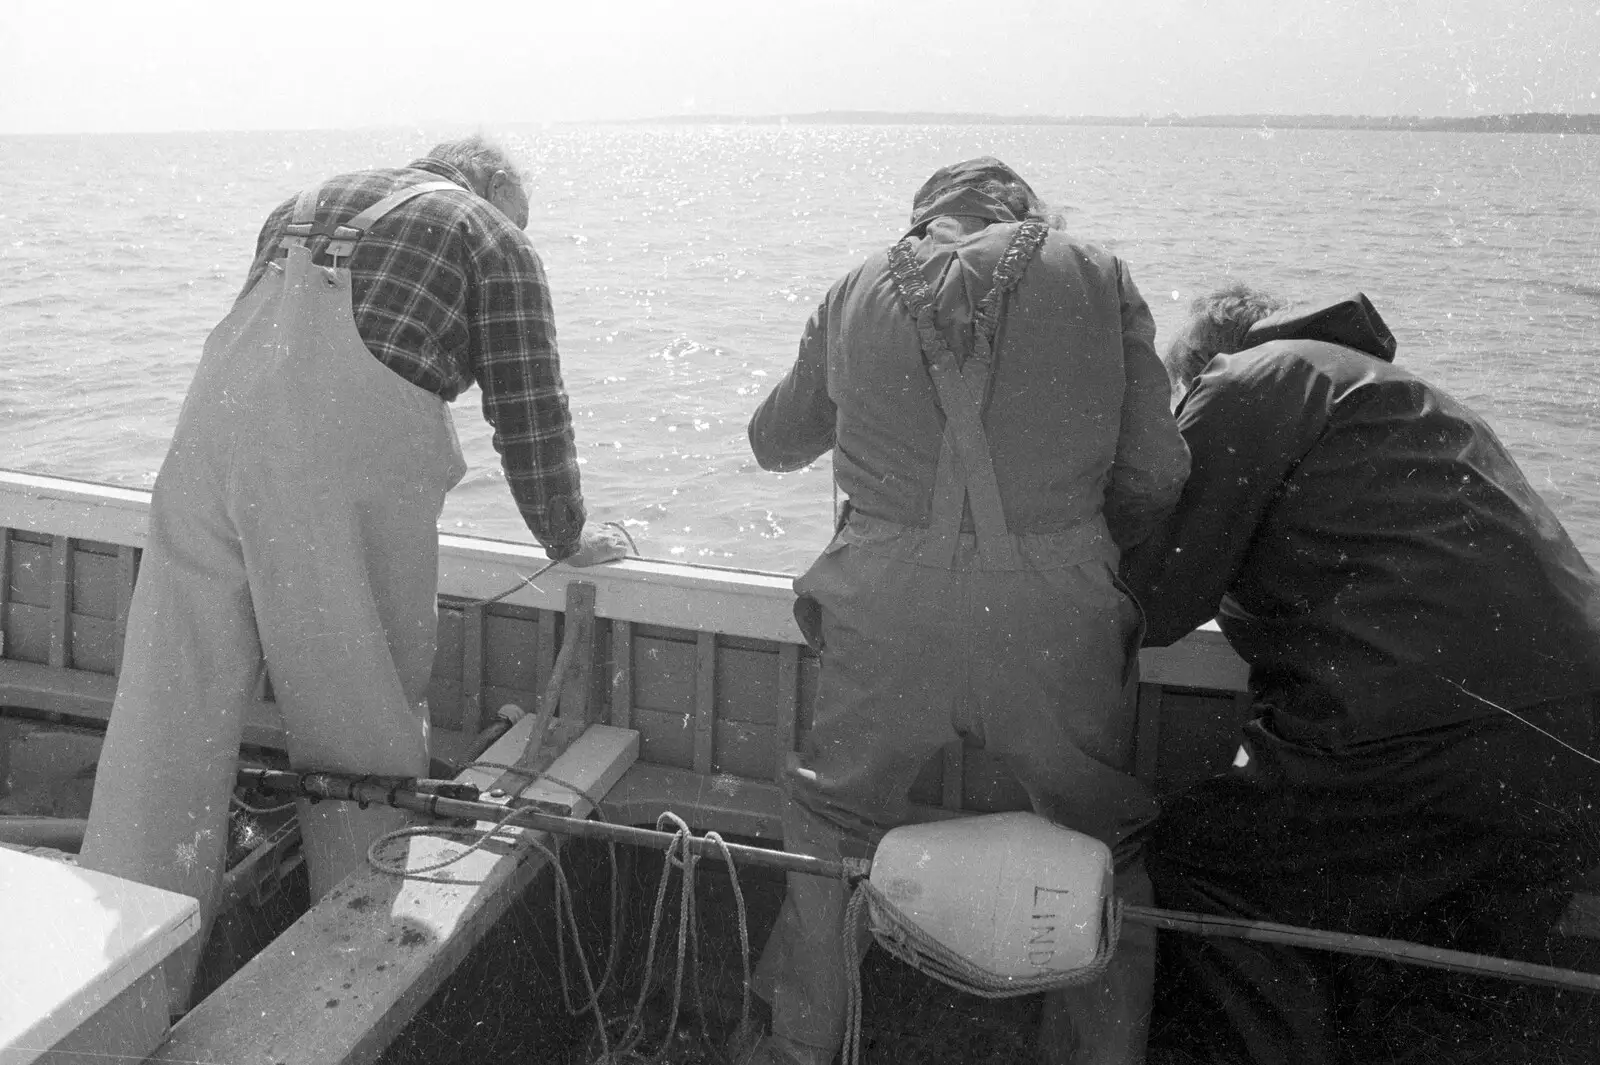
[1049,906]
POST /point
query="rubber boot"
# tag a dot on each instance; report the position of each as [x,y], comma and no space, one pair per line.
[1107,1022]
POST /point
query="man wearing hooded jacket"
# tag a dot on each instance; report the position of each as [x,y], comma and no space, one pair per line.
[1424,650]
[998,421]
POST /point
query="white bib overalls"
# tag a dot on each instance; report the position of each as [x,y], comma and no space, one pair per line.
[294,524]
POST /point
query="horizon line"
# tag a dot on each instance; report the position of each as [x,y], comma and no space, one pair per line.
[887,117]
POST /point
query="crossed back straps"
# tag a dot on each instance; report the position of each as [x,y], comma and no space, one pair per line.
[342,238]
[966,467]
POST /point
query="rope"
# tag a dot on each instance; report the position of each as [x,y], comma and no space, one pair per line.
[259,811]
[678,856]
[869,910]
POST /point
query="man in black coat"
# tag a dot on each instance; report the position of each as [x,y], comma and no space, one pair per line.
[1424,650]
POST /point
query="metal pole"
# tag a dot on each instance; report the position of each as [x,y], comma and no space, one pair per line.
[1367,946]
[434,799]
[437,799]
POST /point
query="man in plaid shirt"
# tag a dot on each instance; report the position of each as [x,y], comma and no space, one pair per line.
[295,519]
[470,307]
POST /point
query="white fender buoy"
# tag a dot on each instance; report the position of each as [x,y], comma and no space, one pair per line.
[1011,893]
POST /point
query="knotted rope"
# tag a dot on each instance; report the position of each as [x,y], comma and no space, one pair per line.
[870,911]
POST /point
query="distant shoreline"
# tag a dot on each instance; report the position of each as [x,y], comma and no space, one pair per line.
[1528,122]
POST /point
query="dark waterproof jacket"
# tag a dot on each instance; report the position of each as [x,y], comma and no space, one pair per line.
[1077,417]
[1365,542]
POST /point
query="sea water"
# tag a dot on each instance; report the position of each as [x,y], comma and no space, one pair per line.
[684,261]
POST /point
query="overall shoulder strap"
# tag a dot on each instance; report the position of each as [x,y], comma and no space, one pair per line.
[342,238]
[966,467]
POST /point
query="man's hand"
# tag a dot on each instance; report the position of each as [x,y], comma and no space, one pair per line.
[603,543]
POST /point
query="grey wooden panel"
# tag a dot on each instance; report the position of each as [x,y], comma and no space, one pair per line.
[744,750]
[810,667]
[96,644]
[747,684]
[61,559]
[663,674]
[621,679]
[511,645]
[665,739]
[788,696]
[447,658]
[705,700]
[94,584]
[30,571]
[28,632]
[444,703]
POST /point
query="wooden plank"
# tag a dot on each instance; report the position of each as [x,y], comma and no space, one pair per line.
[665,739]
[788,707]
[663,673]
[94,642]
[696,598]
[743,749]
[30,571]
[622,674]
[28,632]
[127,575]
[60,601]
[545,652]
[747,682]
[511,646]
[79,693]
[5,585]
[342,982]
[952,785]
[705,701]
[93,590]
[578,627]
[474,715]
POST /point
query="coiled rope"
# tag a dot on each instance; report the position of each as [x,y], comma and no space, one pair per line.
[678,856]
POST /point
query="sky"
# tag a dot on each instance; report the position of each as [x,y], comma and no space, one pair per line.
[111,65]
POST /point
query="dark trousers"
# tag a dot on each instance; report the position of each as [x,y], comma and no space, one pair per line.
[1462,837]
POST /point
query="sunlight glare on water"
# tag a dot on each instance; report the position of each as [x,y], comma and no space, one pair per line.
[684,261]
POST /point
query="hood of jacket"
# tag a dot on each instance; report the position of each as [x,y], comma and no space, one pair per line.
[1351,322]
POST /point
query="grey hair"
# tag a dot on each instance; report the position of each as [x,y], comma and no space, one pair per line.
[1217,325]
[478,158]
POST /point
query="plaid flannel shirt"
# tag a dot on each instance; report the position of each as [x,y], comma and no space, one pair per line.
[447,292]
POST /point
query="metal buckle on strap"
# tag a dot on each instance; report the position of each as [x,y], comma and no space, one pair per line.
[342,243]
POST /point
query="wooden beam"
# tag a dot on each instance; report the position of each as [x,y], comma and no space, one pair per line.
[622,674]
[60,601]
[544,655]
[346,978]
[641,591]
[82,694]
[788,707]
[127,572]
[705,700]
[475,717]
[578,626]
[5,583]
